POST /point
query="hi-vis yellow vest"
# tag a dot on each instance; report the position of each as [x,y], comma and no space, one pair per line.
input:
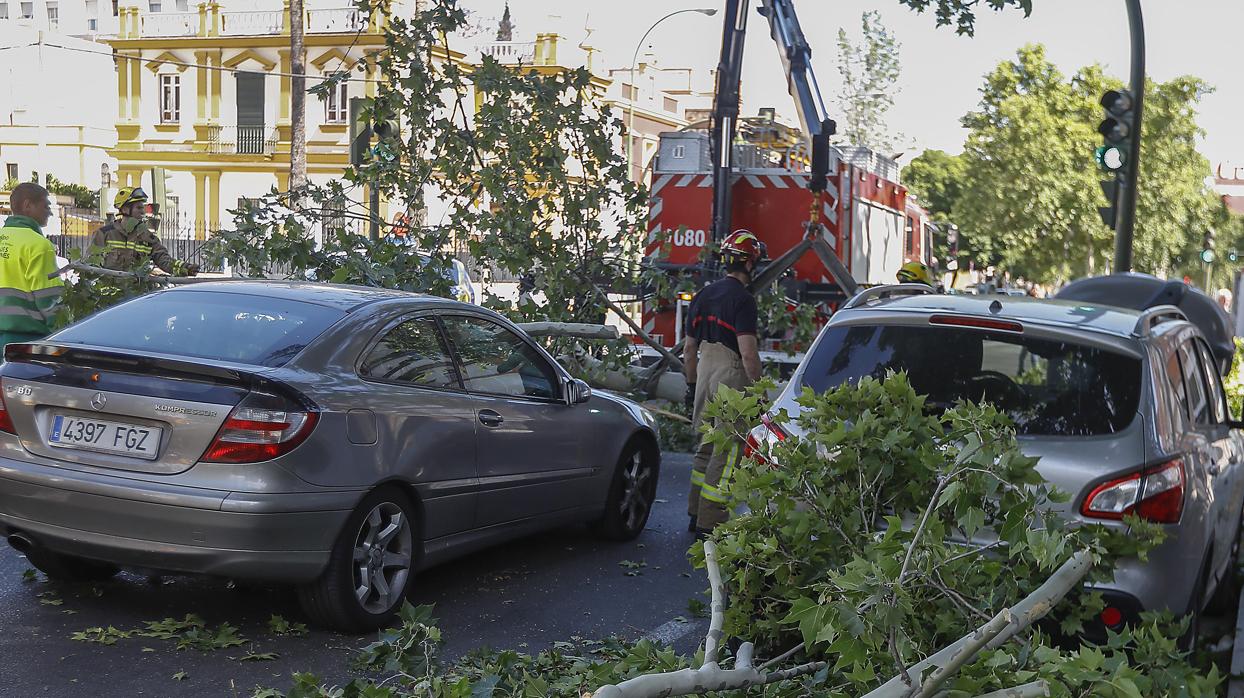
[29,284]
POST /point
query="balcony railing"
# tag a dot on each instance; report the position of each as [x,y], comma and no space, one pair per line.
[171,24]
[336,20]
[510,52]
[330,20]
[243,140]
[251,23]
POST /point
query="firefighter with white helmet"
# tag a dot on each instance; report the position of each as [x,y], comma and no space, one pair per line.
[129,239]
[720,349]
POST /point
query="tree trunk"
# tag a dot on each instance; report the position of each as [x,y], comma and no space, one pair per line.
[297,100]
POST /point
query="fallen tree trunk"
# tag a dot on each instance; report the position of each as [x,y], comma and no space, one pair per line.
[570,329]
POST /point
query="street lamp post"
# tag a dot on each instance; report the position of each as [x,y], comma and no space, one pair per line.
[630,108]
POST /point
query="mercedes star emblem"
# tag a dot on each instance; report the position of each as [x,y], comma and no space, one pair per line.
[98,401]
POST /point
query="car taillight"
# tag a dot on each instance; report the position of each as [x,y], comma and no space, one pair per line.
[1156,495]
[768,429]
[260,428]
[6,419]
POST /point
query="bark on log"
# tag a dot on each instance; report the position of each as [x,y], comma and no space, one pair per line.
[162,278]
[1023,614]
[670,385]
[570,329]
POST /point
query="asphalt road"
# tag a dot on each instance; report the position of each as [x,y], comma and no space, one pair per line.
[556,586]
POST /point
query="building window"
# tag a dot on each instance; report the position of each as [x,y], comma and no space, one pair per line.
[337,106]
[4,10]
[154,5]
[183,6]
[28,10]
[115,11]
[10,171]
[170,98]
[92,24]
[53,15]
[629,92]
[671,105]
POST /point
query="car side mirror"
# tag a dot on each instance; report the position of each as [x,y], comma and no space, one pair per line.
[578,392]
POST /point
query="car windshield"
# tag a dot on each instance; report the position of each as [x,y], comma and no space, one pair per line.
[240,328]
[1049,388]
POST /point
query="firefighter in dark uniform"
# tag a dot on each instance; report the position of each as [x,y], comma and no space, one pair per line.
[128,240]
[720,349]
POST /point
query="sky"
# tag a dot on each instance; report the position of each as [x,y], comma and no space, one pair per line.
[942,71]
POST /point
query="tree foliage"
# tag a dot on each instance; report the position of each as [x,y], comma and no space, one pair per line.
[854,553]
[870,72]
[1030,198]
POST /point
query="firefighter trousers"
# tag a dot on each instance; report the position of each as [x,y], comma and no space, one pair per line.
[711,467]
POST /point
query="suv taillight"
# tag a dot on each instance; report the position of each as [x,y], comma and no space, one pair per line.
[6,420]
[261,427]
[758,439]
[1156,495]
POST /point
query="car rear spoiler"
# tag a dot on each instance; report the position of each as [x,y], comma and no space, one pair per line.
[125,361]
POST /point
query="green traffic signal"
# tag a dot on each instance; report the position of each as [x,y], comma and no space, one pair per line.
[1110,158]
[1207,256]
[1233,256]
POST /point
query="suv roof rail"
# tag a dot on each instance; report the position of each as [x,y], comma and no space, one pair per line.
[1152,317]
[885,291]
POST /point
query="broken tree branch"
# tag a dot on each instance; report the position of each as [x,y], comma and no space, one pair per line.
[709,677]
[162,278]
[570,329]
[712,641]
[970,649]
[1036,689]
[1023,614]
[647,338]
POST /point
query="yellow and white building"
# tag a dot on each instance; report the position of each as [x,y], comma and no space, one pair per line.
[205,95]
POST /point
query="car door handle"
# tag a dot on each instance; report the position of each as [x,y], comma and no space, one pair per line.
[1214,469]
[490,419]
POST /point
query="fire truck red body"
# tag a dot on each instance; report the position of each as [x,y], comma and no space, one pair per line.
[866,215]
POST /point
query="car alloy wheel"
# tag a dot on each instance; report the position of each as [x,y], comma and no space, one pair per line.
[636,501]
[632,491]
[382,556]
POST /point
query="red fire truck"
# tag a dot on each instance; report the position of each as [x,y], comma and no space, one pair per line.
[769,181]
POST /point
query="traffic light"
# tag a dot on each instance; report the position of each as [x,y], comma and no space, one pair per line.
[1207,247]
[1117,130]
[363,130]
[1233,256]
[952,239]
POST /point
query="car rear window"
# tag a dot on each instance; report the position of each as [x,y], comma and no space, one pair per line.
[1049,388]
[257,330]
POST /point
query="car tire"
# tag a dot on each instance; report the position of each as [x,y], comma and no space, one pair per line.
[631,494]
[1192,636]
[70,568]
[1226,596]
[370,569]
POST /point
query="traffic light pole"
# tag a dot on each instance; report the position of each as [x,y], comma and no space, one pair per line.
[1125,223]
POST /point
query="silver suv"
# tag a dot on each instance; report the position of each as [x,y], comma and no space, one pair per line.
[1125,409]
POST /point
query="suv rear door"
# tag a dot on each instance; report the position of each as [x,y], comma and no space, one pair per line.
[1223,458]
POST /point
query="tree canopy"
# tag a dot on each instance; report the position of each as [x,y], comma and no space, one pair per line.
[1031,192]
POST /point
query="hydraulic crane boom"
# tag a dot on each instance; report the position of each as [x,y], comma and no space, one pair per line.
[801,82]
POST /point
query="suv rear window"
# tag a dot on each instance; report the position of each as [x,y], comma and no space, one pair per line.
[1048,388]
[211,325]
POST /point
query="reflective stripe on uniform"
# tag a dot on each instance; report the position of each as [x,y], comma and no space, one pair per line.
[719,493]
[697,478]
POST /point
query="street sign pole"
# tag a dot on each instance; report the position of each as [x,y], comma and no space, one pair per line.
[1125,223]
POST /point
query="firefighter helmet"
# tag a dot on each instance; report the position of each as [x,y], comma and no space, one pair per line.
[743,246]
[128,195]
[915,272]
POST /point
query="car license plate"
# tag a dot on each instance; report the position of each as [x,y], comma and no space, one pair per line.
[69,431]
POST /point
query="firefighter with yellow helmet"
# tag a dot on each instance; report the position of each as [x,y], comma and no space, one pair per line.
[129,239]
[720,349]
[915,272]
